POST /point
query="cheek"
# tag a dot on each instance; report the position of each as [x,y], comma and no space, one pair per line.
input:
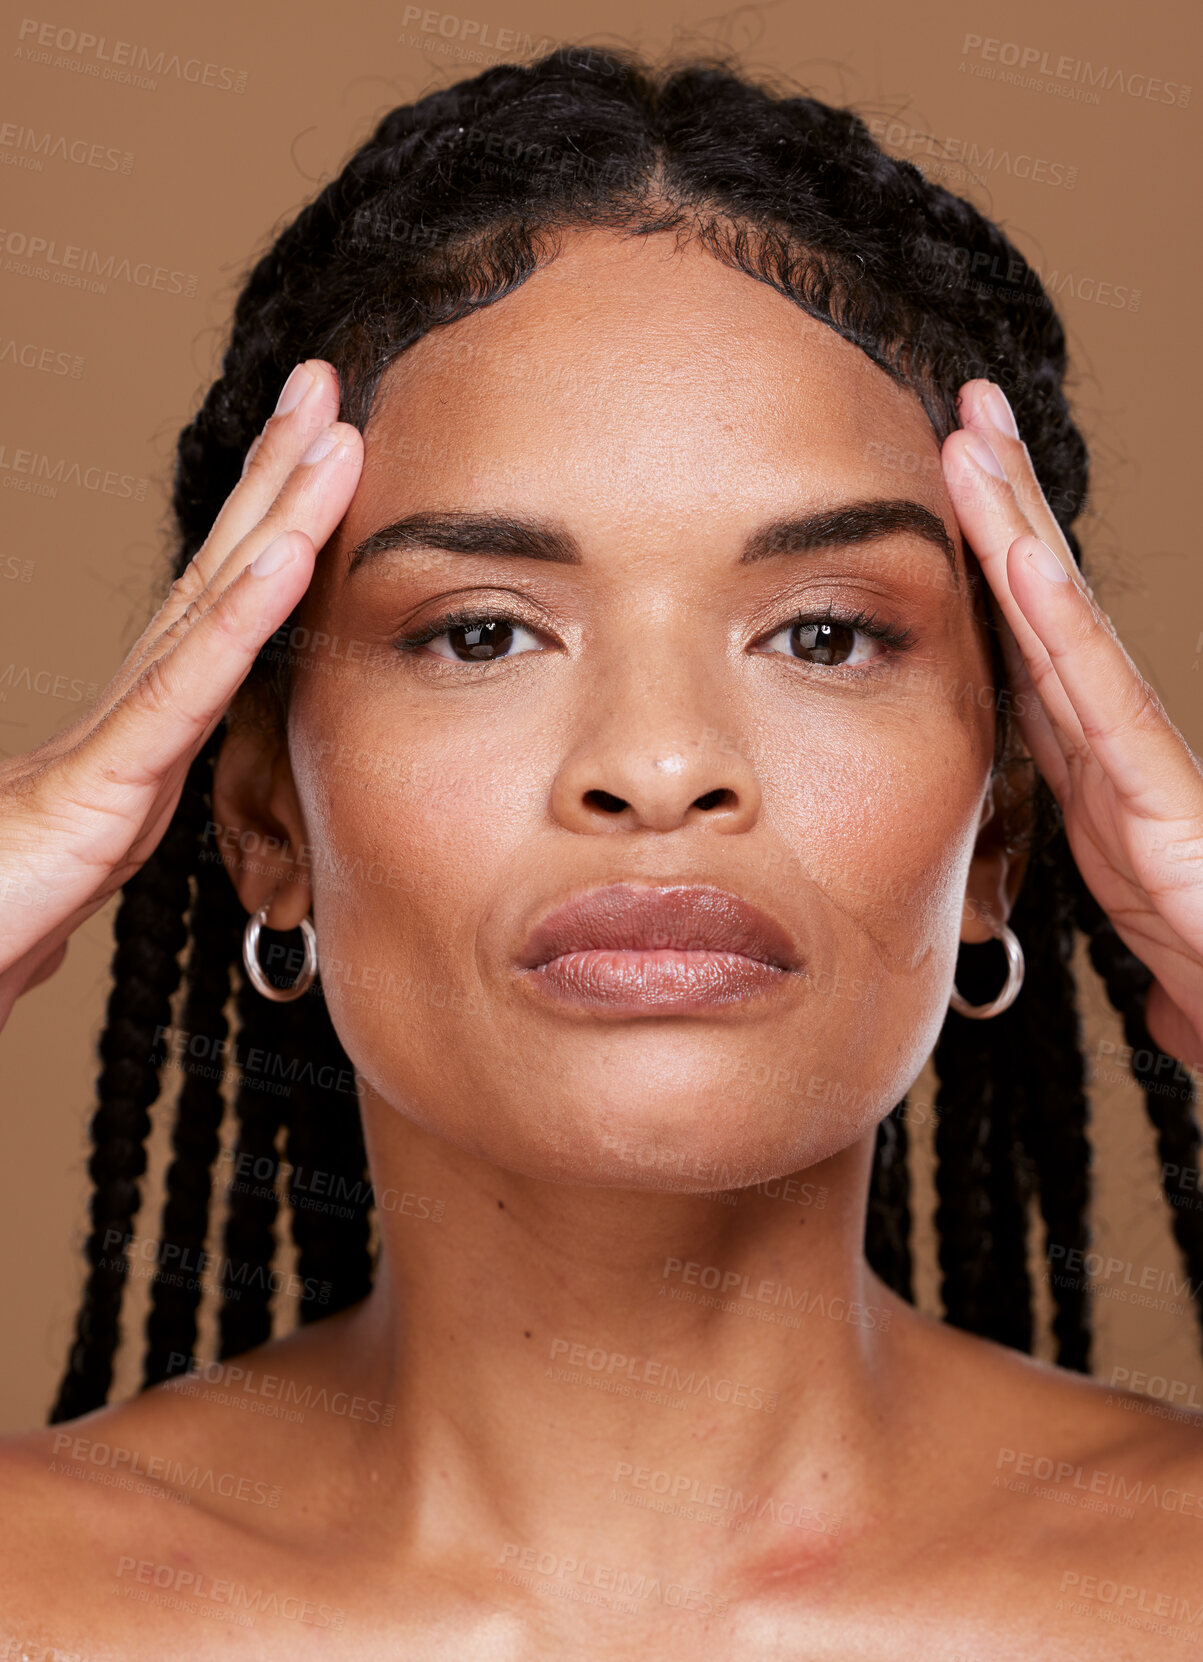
[878,811]
[414,823]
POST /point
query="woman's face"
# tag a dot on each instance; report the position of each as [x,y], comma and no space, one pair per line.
[643,711]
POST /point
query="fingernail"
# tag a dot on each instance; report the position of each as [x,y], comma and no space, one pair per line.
[280,552]
[295,388]
[321,446]
[999,411]
[1043,560]
[984,456]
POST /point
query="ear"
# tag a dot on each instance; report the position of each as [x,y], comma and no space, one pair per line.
[997,869]
[260,830]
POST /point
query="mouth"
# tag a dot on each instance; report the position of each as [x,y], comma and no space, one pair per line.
[666,950]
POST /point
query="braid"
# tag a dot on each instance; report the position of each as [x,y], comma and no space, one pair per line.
[150,933]
[888,1219]
[250,1239]
[964,1106]
[329,1189]
[1055,1110]
[1009,1185]
[216,928]
[1169,1105]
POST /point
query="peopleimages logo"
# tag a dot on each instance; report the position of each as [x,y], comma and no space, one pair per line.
[163,1468]
[24,678]
[729,1287]
[76,267]
[565,1569]
[236,1382]
[173,1260]
[645,1370]
[22,469]
[1126,1596]
[472,31]
[120,60]
[920,146]
[188,1587]
[32,147]
[1168,1497]
[1157,1386]
[1068,76]
[48,360]
[684,1492]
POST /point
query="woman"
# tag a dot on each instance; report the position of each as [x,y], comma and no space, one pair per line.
[643,647]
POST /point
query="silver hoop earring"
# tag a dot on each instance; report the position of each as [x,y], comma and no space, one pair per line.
[250,957]
[1010,992]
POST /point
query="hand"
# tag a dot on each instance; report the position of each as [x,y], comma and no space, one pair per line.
[1129,786]
[83,811]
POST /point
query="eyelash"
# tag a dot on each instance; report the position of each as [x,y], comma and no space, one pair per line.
[891,636]
[455,620]
[894,637]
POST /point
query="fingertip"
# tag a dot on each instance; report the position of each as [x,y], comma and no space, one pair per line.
[1032,553]
[283,551]
[348,434]
[350,442]
[969,399]
[323,370]
[952,451]
[330,380]
[973,471]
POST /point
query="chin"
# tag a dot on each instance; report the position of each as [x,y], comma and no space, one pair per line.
[678,1138]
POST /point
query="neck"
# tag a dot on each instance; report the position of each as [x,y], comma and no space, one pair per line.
[570,1366]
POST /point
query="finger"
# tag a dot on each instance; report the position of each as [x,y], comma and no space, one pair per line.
[166,713]
[991,518]
[1046,745]
[984,409]
[1170,1029]
[308,403]
[314,498]
[84,807]
[1147,761]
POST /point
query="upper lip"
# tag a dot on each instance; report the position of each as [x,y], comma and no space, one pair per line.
[688,917]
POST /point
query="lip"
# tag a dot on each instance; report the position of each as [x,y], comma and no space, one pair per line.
[665,949]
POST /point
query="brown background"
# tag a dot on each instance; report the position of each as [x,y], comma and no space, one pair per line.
[193,177]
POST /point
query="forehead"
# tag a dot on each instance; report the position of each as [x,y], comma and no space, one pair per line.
[640,361]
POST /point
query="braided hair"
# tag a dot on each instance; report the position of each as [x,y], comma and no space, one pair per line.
[452,203]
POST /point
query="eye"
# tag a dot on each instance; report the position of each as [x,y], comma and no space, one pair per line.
[835,642]
[473,638]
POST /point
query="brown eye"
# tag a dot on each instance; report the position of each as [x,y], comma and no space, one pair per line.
[823,643]
[489,638]
[469,638]
[827,642]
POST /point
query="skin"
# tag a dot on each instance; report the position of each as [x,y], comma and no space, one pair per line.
[658,407]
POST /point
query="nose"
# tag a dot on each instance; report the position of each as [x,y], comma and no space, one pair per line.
[656,774]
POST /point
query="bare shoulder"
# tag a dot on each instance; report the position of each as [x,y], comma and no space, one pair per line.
[217,1439]
[1113,1478]
[194,1472]
[62,1536]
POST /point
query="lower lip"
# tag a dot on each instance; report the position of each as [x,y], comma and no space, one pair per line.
[660,981]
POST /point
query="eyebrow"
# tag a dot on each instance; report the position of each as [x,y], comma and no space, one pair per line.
[507,536]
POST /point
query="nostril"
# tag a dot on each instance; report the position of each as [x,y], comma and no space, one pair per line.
[715,799]
[607,803]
